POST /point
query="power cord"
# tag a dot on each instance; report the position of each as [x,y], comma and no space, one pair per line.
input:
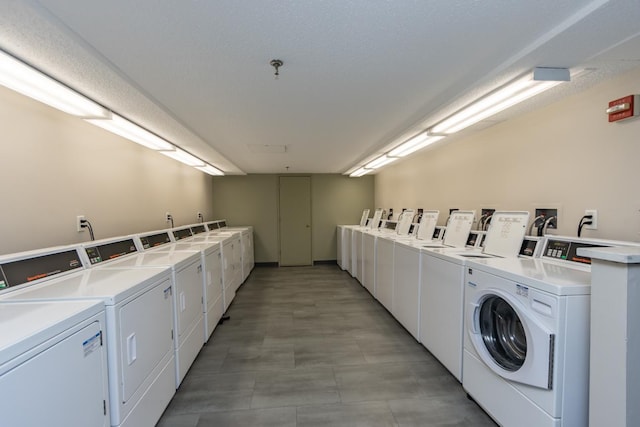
[84,223]
[585,220]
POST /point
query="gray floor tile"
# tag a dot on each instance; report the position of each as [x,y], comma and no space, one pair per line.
[367,414]
[439,411]
[270,417]
[377,382]
[295,387]
[181,420]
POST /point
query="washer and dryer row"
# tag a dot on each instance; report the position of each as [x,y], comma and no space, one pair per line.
[139,317]
[525,366]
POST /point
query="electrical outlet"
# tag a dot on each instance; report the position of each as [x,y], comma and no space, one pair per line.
[594,219]
[199,217]
[167,217]
[79,219]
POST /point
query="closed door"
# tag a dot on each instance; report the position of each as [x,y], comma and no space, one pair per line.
[295,220]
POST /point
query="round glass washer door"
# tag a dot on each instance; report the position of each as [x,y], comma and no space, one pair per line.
[502,333]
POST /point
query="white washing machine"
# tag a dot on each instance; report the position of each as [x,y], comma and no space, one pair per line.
[384,271]
[442,282]
[405,305]
[526,345]
[212,282]
[237,252]
[231,261]
[346,248]
[186,283]
[53,364]
[139,326]
[247,255]
[341,257]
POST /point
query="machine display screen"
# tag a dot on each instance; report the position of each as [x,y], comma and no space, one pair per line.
[438,233]
[182,234]
[472,239]
[222,224]
[528,247]
[27,270]
[154,240]
[108,251]
[558,249]
[411,228]
[198,229]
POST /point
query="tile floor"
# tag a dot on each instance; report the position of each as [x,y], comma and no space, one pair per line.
[309,346]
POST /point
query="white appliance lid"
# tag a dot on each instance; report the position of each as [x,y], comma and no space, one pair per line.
[505,234]
[458,228]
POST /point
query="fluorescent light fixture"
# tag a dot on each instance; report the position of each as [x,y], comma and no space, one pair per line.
[526,87]
[184,157]
[380,161]
[414,144]
[211,170]
[131,131]
[22,78]
[360,172]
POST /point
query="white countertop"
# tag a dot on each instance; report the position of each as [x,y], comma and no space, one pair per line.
[625,255]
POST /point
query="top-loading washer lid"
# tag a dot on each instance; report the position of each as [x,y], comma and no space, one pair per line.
[404,223]
[427,225]
[505,234]
[363,218]
[377,216]
[458,228]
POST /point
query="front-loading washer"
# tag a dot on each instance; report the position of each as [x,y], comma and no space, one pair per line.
[212,281]
[44,345]
[185,269]
[442,283]
[526,341]
[139,324]
[526,345]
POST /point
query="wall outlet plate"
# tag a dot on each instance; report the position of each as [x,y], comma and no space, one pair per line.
[79,219]
[594,219]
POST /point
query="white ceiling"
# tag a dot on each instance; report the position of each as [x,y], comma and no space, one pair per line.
[358,75]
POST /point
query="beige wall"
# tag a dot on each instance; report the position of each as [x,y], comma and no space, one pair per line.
[565,156]
[336,199]
[54,166]
[253,200]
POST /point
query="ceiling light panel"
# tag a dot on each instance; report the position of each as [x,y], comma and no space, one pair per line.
[30,82]
[131,131]
[184,157]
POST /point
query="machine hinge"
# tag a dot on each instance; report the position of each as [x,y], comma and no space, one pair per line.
[104,407]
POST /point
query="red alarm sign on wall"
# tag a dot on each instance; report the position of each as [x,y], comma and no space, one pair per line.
[623,108]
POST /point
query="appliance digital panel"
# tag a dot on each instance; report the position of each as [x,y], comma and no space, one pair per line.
[153,240]
[222,224]
[109,251]
[197,229]
[438,233]
[411,228]
[563,250]
[528,247]
[27,270]
[182,234]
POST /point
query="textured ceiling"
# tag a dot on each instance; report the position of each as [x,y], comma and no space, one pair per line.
[357,75]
